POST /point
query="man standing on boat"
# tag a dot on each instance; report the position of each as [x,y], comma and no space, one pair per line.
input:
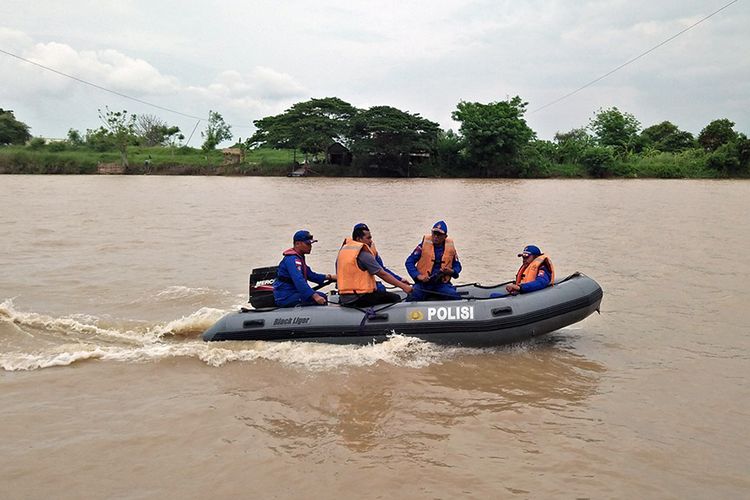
[357,265]
[536,272]
[433,264]
[290,287]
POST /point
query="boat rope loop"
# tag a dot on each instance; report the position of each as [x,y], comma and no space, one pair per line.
[369,313]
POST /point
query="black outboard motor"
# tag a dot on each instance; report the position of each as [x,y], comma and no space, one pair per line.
[260,287]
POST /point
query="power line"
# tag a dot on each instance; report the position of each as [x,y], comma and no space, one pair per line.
[634,59]
[120,94]
[80,80]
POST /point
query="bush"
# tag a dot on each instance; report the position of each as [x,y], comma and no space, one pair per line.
[598,161]
[36,144]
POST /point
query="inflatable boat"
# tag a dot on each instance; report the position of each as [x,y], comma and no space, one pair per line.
[475,320]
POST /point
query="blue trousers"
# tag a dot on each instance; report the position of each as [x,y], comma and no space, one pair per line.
[443,291]
[295,299]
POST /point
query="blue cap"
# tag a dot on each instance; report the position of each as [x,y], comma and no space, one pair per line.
[530,250]
[304,235]
[440,227]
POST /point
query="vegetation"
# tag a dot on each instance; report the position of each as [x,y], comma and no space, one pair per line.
[493,140]
[12,131]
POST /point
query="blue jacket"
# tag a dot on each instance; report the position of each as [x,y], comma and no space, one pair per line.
[541,281]
[290,278]
[411,262]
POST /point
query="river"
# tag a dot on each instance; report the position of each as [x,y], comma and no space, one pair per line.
[108,391]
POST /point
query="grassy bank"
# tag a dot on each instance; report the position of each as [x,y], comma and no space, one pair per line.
[158,160]
[690,164]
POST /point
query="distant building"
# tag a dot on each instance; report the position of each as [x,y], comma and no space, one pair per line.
[233,156]
[338,154]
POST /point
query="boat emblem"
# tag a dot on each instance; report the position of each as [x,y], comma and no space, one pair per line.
[416,315]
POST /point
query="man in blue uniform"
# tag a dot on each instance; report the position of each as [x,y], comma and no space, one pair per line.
[290,287]
[536,272]
[432,265]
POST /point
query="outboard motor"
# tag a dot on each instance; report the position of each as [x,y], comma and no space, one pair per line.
[260,287]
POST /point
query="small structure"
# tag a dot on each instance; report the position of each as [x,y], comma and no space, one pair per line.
[110,168]
[338,154]
[233,156]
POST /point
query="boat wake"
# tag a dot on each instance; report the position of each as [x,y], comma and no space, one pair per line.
[33,341]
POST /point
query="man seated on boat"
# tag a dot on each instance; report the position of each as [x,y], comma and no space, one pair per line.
[536,272]
[359,234]
[433,264]
[357,265]
[290,287]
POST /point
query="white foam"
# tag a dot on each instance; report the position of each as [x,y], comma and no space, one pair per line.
[181,292]
[397,351]
[191,325]
[77,323]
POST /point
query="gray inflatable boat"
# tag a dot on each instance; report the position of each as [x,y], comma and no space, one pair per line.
[476,320]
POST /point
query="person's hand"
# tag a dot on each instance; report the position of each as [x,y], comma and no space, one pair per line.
[407,288]
[448,271]
[423,278]
[319,299]
[513,289]
[404,280]
[331,277]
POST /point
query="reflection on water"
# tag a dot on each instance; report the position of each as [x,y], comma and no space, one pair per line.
[401,411]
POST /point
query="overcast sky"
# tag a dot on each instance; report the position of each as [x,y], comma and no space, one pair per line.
[251,59]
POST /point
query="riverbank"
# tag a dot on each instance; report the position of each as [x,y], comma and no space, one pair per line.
[49,160]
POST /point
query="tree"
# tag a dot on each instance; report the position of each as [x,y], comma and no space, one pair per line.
[119,127]
[717,133]
[391,137]
[216,131]
[309,126]
[12,131]
[74,138]
[494,135]
[612,127]
[153,131]
[665,136]
[571,145]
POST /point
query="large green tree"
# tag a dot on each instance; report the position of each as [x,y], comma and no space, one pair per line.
[12,131]
[391,138]
[615,128]
[667,137]
[309,126]
[494,135]
[717,133]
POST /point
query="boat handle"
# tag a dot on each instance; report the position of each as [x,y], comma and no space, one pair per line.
[252,323]
[498,311]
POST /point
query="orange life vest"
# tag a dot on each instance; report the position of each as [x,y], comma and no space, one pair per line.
[350,278]
[527,274]
[426,261]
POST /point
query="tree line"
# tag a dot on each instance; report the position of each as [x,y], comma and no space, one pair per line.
[492,140]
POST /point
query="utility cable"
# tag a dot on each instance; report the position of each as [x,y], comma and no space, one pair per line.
[80,80]
[635,58]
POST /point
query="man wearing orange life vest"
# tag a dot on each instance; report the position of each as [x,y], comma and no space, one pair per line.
[432,265]
[356,268]
[536,272]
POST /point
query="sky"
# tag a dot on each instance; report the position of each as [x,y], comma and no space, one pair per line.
[252,59]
